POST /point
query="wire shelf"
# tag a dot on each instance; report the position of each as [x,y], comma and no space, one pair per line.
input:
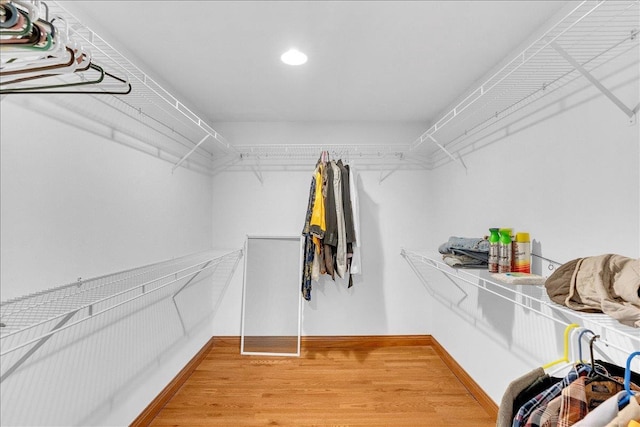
[374,156]
[532,298]
[28,321]
[149,113]
[589,36]
[592,34]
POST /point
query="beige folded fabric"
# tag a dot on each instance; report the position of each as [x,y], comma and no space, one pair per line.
[607,283]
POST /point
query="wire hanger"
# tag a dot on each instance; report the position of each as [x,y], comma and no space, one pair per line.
[69,75]
[44,89]
[599,374]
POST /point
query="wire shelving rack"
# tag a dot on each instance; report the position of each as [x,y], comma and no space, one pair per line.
[532,298]
[28,322]
[590,35]
[150,119]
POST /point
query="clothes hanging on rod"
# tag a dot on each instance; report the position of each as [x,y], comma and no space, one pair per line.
[588,395]
[551,401]
[308,251]
[330,225]
[356,257]
[514,389]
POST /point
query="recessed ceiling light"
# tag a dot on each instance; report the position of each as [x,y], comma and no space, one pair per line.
[293,57]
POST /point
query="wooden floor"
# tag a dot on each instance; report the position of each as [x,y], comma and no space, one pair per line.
[340,386]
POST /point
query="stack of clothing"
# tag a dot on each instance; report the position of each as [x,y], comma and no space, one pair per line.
[469,252]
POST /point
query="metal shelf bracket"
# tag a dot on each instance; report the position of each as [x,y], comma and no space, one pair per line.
[186,156]
[448,153]
[257,170]
[37,345]
[628,111]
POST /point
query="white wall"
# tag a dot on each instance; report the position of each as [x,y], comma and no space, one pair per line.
[568,173]
[77,205]
[392,215]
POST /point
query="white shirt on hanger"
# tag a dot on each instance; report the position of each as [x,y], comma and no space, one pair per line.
[356,260]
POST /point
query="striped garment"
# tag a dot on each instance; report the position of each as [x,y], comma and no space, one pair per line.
[543,398]
[584,395]
[546,416]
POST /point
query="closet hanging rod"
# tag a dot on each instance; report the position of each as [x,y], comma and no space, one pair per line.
[285,151]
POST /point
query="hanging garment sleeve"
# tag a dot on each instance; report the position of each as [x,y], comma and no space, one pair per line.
[546,396]
[308,245]
[318,224]
[331,220]
[356,258]
[341,248]
[346,202]
[603,414]
[505,412]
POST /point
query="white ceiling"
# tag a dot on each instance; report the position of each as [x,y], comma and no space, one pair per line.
[368,60]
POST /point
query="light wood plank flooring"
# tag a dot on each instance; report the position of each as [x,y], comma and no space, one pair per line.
[407,385]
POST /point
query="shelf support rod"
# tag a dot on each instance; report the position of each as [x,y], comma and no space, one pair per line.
[192,279]
[448,153]
[629,112]
[384,176]
[189,153]
[188,282]
[257,170]
[35,348]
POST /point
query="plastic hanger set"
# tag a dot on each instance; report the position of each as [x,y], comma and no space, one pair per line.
[39,55]
[596,372]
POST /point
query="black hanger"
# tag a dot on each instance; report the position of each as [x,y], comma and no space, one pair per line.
[53,87]
[598,373]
